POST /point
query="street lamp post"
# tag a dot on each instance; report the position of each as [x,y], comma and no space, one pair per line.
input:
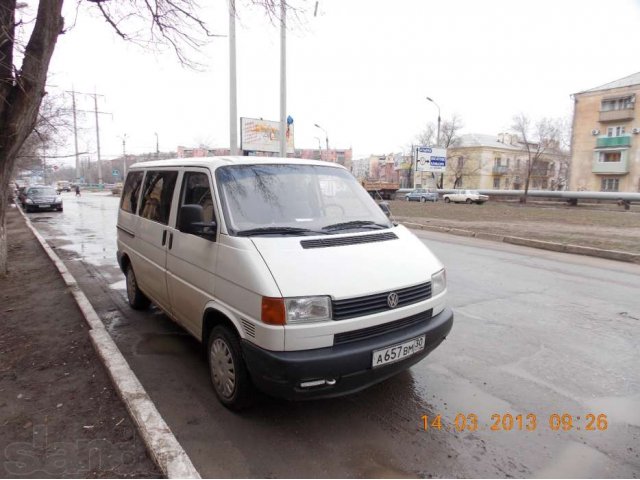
[438,138]
[326,136]
[157,144]
[319,146]
[437,142]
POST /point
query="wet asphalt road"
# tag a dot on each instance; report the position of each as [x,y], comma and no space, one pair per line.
[535,332]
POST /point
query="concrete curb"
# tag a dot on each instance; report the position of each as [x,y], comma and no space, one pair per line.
[526,242]
[161,444]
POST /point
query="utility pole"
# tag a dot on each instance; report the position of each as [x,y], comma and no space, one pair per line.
[75,133]
[96,112]
[233,96]
[95,103]
[124,156]
[283,79]
[157,145]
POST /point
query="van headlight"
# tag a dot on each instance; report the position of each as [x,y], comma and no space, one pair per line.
[58,199]
[28,200]
[438,282]
[307,309]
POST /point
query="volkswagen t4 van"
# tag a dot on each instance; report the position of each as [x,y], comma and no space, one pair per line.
[287,271]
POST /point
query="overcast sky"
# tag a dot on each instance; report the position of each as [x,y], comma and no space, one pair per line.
[360,68]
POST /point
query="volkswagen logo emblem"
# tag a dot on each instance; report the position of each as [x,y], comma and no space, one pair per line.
[392,300]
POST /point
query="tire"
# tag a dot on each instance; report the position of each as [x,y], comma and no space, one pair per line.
[137,299]
[228,371]
[447,200]
[468,201]
[423,200]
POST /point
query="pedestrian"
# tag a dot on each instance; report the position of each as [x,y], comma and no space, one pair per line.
[77,190]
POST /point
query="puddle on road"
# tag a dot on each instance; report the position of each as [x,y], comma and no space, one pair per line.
[164,344]
[576,460]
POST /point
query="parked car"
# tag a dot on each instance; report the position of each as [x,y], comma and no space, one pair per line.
[465,196]
[40,197]
[268,262]
[422,195]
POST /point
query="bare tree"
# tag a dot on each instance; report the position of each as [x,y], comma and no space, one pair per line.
[449,131]
[462,167]
[172,23]
[537,139]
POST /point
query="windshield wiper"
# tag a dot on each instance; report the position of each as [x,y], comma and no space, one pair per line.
[276,231]
[355,224]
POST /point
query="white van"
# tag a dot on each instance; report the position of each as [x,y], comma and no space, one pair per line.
[285,269]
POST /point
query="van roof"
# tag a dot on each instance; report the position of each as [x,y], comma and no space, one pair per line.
[214,162]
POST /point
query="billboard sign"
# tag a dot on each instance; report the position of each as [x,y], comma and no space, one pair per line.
[258,135]
[431,159]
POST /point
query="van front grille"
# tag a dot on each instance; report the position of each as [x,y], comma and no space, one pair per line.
[355,335]
[341,241]
[361,306]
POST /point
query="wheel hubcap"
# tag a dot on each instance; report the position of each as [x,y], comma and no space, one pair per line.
[222,368]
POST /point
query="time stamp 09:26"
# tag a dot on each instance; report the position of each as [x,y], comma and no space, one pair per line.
[529,422]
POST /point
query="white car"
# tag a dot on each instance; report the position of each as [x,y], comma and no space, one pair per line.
[466,196]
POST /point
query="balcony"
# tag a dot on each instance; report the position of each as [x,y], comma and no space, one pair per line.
[622,141]
[500,169]
[616,115]
[614,168]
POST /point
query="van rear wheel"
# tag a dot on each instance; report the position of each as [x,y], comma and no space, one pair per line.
[137,299]
[229,373]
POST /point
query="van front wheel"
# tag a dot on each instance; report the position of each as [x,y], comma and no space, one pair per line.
[229,373]
[137,299]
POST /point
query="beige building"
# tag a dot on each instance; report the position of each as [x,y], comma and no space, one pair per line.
[499,162]
[605,143]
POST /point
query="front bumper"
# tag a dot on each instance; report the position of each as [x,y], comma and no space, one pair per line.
[349,364]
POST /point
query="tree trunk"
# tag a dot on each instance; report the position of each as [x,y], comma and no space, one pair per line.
[21,95]
[523,198]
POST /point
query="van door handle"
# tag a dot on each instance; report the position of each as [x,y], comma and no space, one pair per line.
[170,240]
[164,237]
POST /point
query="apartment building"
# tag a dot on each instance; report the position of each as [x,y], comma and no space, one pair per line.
[499,162]
[605,143]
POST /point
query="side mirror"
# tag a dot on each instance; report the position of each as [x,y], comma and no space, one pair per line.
[384,206]
[191,220]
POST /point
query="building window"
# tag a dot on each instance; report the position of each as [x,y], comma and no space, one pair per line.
[622,103]
[496,182]
[518,164]
[460,162]
[616,131]
[609,184]
[609,157]
[497,161]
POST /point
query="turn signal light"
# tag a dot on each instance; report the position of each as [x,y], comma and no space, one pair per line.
[273,312]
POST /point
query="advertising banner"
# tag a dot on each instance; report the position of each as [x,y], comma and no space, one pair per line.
[263,135]
[431,159]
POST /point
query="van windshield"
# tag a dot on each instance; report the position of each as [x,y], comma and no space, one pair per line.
[289,199]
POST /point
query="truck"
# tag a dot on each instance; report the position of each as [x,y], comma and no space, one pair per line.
[384,190]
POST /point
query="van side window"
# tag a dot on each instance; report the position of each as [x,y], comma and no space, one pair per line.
[196,191]
[131,192]
[157,195]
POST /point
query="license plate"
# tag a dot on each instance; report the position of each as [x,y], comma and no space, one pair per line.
[44,206]
[397,352]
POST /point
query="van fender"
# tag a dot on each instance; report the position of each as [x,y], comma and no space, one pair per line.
[231,317]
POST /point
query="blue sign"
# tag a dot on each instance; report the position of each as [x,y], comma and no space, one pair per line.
[438,162]
[115,172]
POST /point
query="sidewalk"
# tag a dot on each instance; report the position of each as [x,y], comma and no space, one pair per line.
[59,413]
